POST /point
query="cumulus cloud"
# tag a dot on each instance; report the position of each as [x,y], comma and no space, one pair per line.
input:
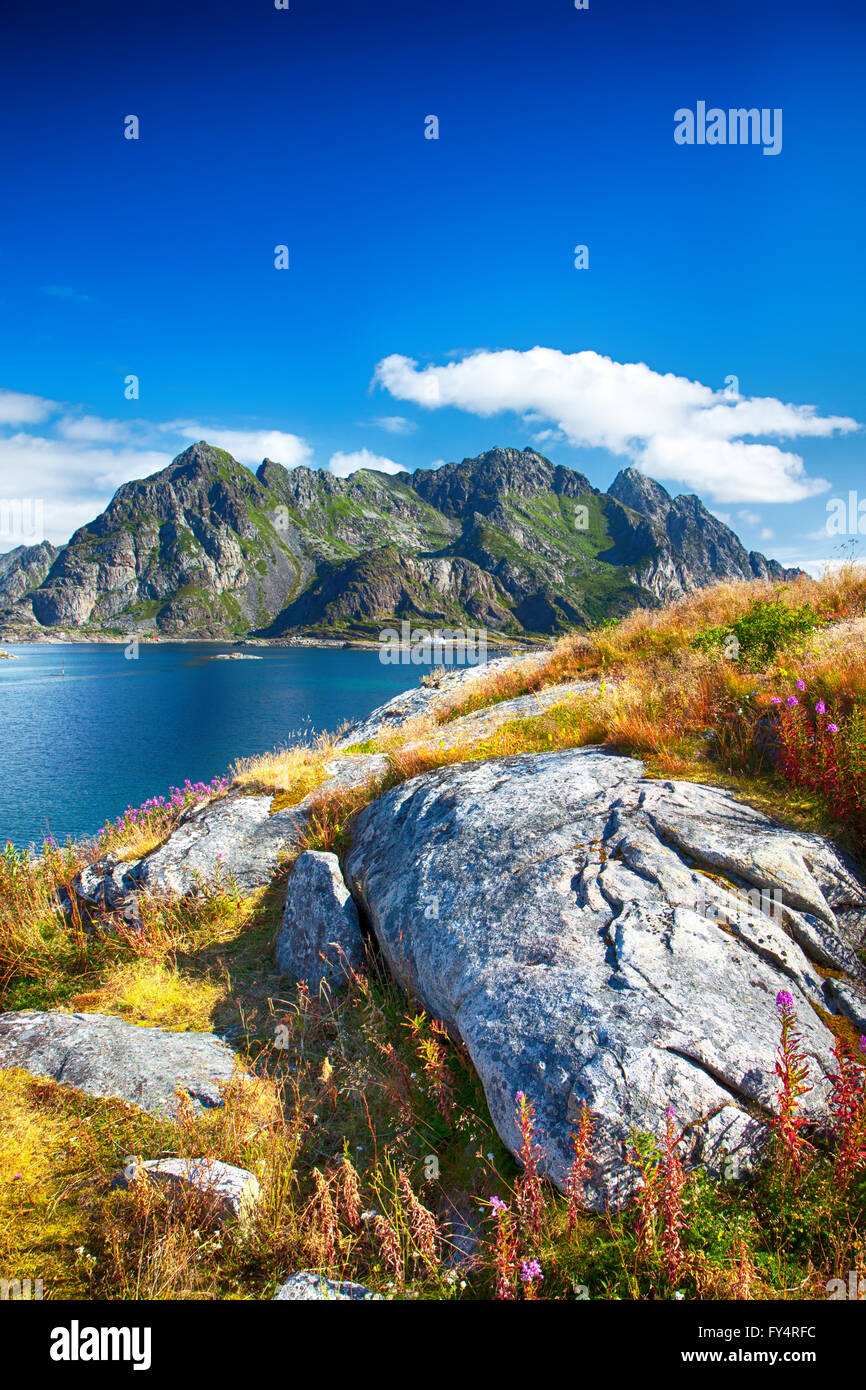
[818,568]
[70,482]
[343,464]
[251,446]
[19,409]
[670,427]
[91,429]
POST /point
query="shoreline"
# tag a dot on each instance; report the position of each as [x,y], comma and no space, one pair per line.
[320,643]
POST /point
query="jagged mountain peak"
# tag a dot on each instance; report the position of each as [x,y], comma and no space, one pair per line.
[478,485]
[640,492]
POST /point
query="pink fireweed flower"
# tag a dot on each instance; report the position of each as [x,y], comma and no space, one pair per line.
[820,707]
[498,1204]
[784,1002]
[801,685]
[792,701]
[529,1270]
[832,728]
[775,700]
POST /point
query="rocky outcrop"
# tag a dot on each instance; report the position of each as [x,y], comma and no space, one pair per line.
[307,1287]
[234,842]
[482,724]
[592,935]
[105,1056]
[320,939]
[430,699]
[228,1191]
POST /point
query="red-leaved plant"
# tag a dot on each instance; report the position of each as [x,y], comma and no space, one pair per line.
[504,1249]
[530,1199]
[581,1141]
[848,1111]
[792,1071]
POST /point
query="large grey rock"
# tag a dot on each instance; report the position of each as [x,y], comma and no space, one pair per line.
[108,883]
[233,1192]
[106,1056]
[320,936]
[588,933]
[352,770]
[309,1287]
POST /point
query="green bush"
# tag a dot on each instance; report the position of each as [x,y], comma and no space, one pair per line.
[762,630]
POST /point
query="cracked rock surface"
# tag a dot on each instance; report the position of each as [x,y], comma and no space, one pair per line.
[594,935]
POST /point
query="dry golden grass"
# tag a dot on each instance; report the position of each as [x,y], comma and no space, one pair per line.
[289,774]
[154,993]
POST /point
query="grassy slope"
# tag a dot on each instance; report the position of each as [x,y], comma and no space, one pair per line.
[363,1077]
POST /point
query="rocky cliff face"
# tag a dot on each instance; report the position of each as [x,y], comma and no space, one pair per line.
[507,540]
[690,547]
[24,569]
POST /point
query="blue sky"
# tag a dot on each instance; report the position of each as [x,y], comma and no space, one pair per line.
[261,127]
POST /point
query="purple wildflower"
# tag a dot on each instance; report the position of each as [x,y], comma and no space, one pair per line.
[791,701]
[529,1270]
[801,685]
[832,728]
[784,1003]
[820,707]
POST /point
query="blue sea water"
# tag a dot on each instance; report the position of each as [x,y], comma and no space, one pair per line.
[86,732]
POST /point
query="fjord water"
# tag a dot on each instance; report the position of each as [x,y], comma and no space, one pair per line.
[87,732]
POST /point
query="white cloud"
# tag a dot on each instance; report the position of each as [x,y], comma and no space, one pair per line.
[67,471]
[395,424]
[19,409]
[767,533]
[749,518]
[250,446]
[343,464]
[668,426]
[90,429]
[71,483]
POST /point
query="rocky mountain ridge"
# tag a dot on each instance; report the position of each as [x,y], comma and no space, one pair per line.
[508,541]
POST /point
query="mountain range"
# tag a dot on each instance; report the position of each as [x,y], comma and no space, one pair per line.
[509,541]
